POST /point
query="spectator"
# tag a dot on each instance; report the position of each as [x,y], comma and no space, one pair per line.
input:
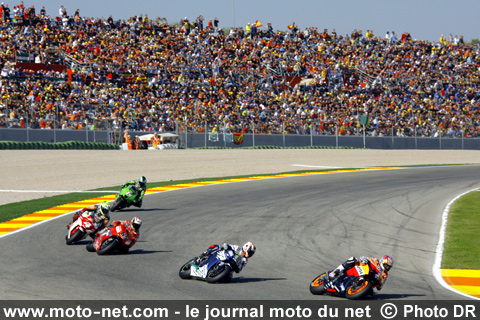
[169,80]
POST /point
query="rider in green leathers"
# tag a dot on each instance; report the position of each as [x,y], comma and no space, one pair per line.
[141,185]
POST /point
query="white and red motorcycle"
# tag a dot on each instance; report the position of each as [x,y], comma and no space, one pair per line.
[84,225]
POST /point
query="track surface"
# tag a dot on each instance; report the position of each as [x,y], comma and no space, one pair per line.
[302,226]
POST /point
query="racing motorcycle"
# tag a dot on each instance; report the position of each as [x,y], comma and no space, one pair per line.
[125,198]
[112,238]
[355,283]
[78,229]
[213,267]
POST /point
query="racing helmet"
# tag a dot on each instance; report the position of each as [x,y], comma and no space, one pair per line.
[142,181]
[387,262]
[136,222]
[103,212]
[248,249]
[104,208]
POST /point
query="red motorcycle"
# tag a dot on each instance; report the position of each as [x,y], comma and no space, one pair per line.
[356,283]
[114,237]
[78,229]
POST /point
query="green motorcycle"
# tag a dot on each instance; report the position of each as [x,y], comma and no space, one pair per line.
[125,198]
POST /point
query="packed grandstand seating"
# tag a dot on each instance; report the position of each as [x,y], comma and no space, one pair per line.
[72,72]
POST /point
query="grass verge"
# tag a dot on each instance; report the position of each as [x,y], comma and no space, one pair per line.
[461,250]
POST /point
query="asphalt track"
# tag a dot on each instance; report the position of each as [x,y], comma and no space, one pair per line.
[302,226]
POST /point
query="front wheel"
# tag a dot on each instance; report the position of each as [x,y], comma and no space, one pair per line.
[184,272]
[77,235]
[218,273]
[90,247]
[317,286]
[108,246]
[358,288]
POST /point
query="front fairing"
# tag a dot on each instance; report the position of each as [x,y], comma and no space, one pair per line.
[101,237]
[84,223]
[129,193]
[340,284]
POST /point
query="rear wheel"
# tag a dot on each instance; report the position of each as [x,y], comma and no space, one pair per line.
[119,204]
[218,272]
[77,235]
[108,246]
[318,285]
[359,288]
[184,272]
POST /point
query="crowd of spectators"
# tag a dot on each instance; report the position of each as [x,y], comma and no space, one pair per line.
[150,75]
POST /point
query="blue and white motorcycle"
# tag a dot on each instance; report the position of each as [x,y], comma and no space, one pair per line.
[214,267]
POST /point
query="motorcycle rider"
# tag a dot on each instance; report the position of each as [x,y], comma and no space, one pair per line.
[133,231]
[381,267]
[240,259]
[141,186]
[99,213]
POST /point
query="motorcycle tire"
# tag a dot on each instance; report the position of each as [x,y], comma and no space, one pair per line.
[108,246]
[90,247]
[358,288]
[184,272]
[317,286]
[119,204]
[74,237]
[218,272]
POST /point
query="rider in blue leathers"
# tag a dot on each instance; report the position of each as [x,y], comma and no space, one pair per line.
[240,258]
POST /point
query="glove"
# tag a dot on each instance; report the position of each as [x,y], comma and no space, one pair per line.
[363,260]
[351,260]
[225,246]
[333,274]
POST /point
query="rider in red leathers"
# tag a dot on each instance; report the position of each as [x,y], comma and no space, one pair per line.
[133,231]
[381,267]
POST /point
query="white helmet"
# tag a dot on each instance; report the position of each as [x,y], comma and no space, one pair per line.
[249,249]
[136,222]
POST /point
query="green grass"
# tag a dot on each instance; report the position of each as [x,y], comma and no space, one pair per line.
[461,247]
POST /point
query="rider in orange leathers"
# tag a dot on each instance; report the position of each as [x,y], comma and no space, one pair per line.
[380,266]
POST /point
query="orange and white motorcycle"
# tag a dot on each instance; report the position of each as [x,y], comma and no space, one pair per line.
[354,283]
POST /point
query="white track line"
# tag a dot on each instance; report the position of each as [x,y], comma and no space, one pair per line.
[59,191]
[309,166]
